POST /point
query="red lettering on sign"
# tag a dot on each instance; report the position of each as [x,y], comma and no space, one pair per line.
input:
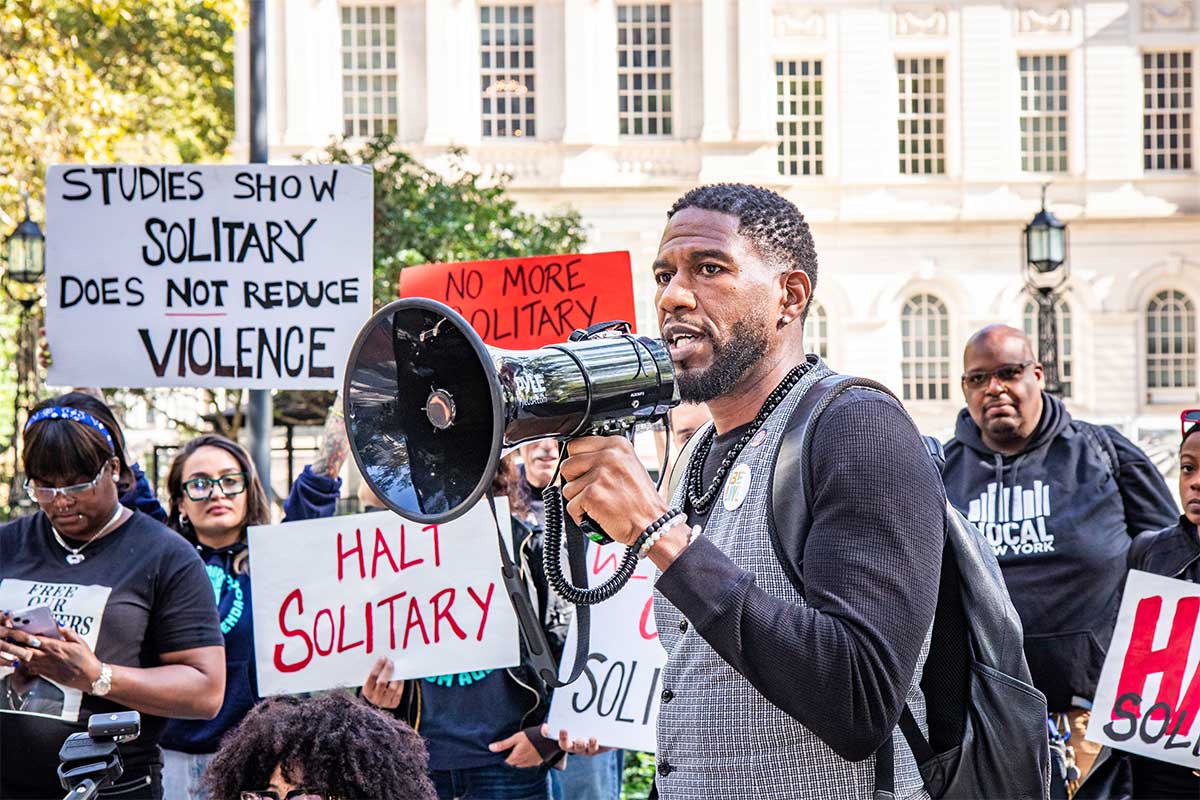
[610,561]
[324,613]
[341,644]
[404,564]
[390,602]
[646,625]
[297,597]
[440,613]
[437,545]
[414,621]
[381,548]
[342,555]
[484,605]
[1142,660]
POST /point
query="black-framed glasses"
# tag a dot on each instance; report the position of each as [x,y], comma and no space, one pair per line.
[1005,374]
[46,494]
[231,484]
[294,794]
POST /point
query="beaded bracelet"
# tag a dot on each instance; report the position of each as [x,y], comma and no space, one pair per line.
[667,517]
[653,540]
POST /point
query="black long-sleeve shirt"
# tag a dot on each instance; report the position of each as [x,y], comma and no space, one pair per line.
[842,664]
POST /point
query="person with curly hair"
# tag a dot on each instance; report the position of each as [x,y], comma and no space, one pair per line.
[332,746]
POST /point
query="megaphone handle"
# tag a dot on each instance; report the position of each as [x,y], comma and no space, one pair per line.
[590,528]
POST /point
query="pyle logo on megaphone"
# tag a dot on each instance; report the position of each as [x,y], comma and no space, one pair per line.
[530,387]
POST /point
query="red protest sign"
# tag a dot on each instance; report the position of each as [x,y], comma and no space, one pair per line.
[525,303]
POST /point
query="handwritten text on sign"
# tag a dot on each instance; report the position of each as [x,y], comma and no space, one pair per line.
[248,276]
[525,303]
[616,699]
[332,595]
[1148,697]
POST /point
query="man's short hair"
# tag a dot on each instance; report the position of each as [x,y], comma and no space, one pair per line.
[770,221]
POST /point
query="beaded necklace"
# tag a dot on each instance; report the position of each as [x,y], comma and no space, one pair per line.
[700,503]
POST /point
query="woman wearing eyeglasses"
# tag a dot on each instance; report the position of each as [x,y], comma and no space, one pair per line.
[136,628]
[215,494]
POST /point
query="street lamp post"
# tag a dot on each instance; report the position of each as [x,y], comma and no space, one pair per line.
[25,266]
[1045,269]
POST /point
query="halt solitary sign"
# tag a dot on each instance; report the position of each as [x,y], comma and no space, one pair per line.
[236,276]
[332,595]
[1148,697]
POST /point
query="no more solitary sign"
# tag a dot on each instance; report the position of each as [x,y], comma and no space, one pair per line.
[239,276]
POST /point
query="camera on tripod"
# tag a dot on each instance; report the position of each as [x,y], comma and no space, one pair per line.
[90,760]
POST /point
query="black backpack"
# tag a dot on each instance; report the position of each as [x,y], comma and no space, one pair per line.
[987,723]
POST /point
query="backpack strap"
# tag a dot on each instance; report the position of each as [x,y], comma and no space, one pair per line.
[1102,445]
[790,497]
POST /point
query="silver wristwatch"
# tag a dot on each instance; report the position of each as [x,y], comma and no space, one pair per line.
[102,684]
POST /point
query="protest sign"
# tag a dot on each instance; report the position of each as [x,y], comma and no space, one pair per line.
[1149,691]
[333,595]
[526,303]
[239,276]
[77,606]
[616,699]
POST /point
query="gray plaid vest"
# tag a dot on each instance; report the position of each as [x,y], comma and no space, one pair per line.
[719,736]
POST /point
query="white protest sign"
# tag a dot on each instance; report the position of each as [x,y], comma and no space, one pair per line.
[333,595]
[1148,697]
[616,699]
[237,276]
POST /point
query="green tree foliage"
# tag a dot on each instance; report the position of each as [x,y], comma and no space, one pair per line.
[102,81]
[453,213]
[111,80]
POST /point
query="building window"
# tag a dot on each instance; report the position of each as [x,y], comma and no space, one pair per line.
[506,73]
[925,337]
[799,113]
[1066,341]
[922,120]
[816,330]
[1043,113]
[1167,110]
[1170,341]
[644,69]
[370,103]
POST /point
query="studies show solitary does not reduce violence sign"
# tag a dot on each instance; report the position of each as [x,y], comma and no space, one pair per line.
[239,276]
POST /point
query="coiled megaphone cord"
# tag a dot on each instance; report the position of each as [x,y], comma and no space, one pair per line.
[556,520]
[555,530]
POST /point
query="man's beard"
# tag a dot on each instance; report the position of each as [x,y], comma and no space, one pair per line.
[731,360]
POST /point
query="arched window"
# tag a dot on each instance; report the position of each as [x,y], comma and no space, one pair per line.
[816,330]
[925,337]
[1170,341]
[1066,341]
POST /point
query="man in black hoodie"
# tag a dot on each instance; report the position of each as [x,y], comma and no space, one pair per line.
[1060,501]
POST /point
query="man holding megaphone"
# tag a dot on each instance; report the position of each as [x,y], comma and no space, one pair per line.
[768,693]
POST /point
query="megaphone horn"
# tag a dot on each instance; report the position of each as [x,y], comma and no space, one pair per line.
[429,406]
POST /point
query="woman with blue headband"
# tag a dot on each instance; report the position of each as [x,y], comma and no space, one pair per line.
[133,621]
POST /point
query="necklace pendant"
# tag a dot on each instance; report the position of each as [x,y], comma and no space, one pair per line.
[75,558]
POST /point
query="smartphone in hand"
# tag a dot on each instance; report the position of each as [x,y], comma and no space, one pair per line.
[36,620]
